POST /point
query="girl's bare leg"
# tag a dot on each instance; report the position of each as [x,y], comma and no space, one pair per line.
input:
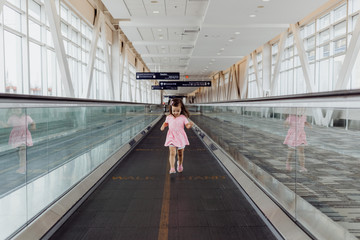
[180,159]
[301,150]
[22,159]
[288,159]
[172,154]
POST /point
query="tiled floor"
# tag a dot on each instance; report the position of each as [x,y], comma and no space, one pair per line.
[331,183]
[203,202]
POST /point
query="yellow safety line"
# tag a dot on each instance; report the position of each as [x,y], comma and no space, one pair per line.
[164,218]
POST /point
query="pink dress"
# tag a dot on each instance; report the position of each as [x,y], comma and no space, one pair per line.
[20,134]
[296,134]
[176,135]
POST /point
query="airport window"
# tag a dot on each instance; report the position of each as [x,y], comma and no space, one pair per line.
[252,85]
[35,68]
[260,69]
[12,18]
[125,83]
[286,81]
[13,63]
[132,72]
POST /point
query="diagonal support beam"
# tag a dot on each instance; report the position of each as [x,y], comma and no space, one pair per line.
[107,58]
[309,78]
[350,58]
[244,87]
[90,66]
[259,84]
[54,22]
[279,55]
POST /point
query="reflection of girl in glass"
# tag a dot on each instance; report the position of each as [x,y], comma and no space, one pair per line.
[20,136]
[296,139]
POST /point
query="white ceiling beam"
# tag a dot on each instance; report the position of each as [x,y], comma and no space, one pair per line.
[281,26]
[164,55]
[162,43]
[55,30]
[159,22]
[215,57]
[189,56]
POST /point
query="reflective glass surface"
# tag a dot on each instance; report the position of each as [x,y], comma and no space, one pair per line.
[45,151]
[305,158]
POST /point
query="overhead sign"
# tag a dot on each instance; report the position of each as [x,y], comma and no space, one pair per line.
[157,87]
[158,75]
[174,96]
[186,83]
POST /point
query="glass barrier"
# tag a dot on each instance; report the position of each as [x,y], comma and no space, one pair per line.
[305,160]
[45,151]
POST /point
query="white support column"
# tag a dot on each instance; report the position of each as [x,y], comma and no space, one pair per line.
[245,83]
[54,22]
[237,80]
[279,55]
[2,54]
[350,58]
[309,78]
[230,77]
[128,75]
[115,64]
[2,2]
[92,54]
[107,57]
[122,66]
[266,80]
[259,85]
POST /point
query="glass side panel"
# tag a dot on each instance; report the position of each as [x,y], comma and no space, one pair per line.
[45,151]
[306,159]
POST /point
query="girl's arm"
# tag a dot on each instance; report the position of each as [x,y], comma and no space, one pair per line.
[308,124]
[189,125]
[163,126]
[33,126]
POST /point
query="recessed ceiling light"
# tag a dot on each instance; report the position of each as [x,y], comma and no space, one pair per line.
[222,49]
[230,40]
[159,29]
[161,37]
[155,11]
[218,53]
[266,0]
[213,60]
[252,15]
[237,33]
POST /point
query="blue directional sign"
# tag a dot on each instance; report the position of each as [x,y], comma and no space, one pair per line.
[186,83]
[157,75]
[157,87]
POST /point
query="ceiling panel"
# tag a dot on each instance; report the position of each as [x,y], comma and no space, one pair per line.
[146,34]
[205,25]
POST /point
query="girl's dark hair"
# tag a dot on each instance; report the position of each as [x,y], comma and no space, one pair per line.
[175,102]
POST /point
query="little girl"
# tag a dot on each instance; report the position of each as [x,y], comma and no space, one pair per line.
[20,136]
[296,139]
[176,137]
